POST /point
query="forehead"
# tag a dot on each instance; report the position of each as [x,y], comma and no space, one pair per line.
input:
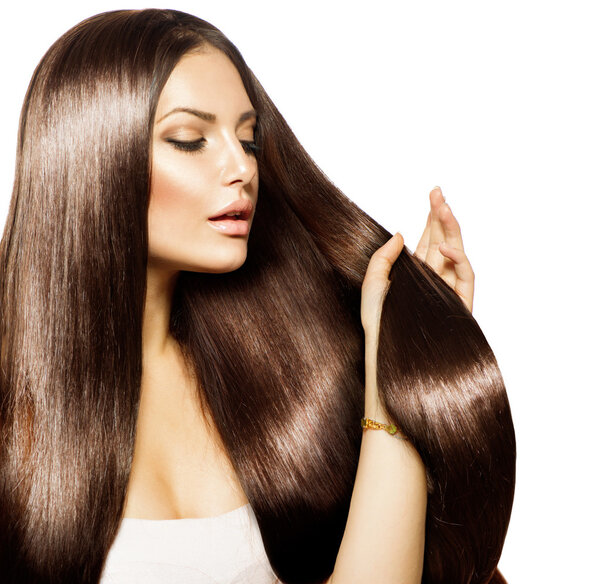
[206,80]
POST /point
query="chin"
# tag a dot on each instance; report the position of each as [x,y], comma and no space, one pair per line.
[222,265]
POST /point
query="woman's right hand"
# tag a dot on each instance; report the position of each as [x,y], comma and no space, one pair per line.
[441,248]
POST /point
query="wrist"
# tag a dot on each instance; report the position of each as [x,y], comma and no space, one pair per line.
[374,407]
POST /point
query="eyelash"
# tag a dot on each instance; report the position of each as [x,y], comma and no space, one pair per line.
[193,146]
[249,147]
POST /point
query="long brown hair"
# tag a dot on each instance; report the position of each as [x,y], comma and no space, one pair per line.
[277,345]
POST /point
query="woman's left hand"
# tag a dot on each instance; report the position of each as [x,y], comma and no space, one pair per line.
[441,247]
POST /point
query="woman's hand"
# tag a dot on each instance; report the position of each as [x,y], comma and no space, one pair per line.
[374,288]
[441,247]
[376,283]
[384,537]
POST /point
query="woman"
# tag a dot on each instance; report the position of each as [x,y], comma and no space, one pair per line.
[158,362]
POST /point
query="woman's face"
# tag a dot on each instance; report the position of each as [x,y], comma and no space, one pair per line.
[202,161]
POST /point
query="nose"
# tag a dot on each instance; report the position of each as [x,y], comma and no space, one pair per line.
[238,166]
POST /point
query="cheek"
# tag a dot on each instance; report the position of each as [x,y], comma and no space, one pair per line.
[177,201]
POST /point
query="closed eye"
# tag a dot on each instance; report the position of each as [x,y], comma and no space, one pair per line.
[188,146]
[249,147]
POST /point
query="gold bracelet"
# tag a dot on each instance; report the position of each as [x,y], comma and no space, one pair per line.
[391,429]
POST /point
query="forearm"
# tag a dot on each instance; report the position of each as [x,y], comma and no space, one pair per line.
[384,538]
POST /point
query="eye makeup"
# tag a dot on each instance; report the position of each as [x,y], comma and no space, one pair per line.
[188,145]
[249,147]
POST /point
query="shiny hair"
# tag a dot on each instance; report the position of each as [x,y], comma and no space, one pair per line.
[277,346]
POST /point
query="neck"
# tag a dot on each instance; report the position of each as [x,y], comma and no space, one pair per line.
[156,339]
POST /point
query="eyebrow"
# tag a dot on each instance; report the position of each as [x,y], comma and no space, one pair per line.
[206,116]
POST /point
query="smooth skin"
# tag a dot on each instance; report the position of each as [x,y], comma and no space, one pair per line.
[441,247]
[180,467]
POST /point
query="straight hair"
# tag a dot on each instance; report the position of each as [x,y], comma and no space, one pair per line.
[277,346]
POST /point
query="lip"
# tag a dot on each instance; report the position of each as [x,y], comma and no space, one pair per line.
[242,206]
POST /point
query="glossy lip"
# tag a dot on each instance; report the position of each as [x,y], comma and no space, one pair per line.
[242,206]
[231,226]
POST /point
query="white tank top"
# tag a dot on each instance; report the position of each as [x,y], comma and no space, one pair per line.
[225,549]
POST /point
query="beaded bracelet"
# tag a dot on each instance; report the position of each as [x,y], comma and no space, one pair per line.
[391,429]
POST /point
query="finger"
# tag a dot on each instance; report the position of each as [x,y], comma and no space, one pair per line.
[450,227]
[376,284]
[436,232]
[421,250]
[464,284]
[462,266]
[382,260]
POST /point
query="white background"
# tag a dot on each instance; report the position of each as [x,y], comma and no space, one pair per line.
[499,105]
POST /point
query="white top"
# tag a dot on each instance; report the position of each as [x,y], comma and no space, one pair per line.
[225,549]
